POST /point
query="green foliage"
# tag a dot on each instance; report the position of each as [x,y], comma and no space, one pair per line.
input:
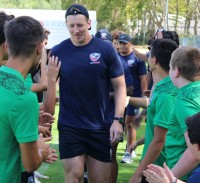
[125,14]
[28,4]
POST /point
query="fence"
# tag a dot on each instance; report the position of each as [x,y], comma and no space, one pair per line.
[190,41]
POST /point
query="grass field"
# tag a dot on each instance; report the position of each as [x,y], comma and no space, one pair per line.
[55,171]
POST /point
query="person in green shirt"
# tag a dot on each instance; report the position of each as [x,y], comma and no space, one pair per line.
[160,104]
[19,108]
[185,74]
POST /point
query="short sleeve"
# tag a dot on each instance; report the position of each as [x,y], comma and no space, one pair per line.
[164,106]
[142,68]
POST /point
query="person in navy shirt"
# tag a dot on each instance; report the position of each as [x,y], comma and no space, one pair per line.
[138,72]
[88,66]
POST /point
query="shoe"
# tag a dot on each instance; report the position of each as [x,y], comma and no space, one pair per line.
[127,158]
[133,154]
[85,177]
[36,180]
[40,176]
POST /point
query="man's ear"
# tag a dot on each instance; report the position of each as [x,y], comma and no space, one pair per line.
[154,60]
[197,147]
[39,48]
[176,72]
[89,24]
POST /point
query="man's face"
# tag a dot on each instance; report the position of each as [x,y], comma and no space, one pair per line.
[37,61]
[150,62]
[194,148]
[115,43]
[172,74]
[3,54]
[78,26]
[125,48]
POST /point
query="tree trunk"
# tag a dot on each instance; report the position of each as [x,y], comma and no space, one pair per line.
[177,14]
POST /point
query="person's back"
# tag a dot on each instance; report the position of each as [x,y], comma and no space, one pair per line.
[15,129]
[184,73]
[20,146]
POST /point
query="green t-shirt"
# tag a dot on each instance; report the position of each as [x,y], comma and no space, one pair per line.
[187,104]
[160,106]
[18,122]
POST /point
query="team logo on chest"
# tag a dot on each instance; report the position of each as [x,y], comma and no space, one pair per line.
[94,57]
[131,62]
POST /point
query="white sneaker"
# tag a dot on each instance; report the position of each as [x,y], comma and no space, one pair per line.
[40,176]
[36,180]
[133,154]
[86,175]
[127,158]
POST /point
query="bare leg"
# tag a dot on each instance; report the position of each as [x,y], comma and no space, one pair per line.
[74,169]
[131,131]
[98,172]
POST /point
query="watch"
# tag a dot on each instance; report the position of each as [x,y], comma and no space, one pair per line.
[119,119]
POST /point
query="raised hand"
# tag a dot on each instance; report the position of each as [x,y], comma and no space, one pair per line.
[49,155]
[53,68]
[45,119]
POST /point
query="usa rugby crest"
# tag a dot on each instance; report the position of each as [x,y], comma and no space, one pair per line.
[131,62]
[94,57]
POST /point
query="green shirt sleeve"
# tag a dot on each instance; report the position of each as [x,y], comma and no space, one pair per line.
[164,105]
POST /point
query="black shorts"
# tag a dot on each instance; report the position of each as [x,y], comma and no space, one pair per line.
[27,177]
[144,179]
[75,142]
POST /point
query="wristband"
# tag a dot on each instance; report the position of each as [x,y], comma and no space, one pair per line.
[174,180]
[119,119]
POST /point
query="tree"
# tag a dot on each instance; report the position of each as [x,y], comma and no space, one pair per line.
[31,4]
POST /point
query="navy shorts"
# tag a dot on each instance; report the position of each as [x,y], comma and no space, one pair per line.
[75,142]
[131,110]
[27,177]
